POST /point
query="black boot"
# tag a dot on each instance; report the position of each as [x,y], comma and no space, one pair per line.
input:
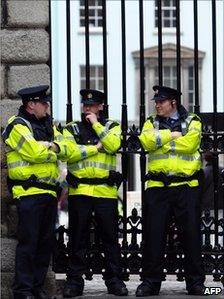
[41,294]
[73,287]
[198,290]
[148,288]
[116,287]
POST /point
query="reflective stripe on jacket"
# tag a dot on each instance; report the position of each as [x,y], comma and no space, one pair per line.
[178,157]
[84,161]
[26,157]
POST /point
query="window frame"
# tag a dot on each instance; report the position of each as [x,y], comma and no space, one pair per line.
[151,79]
[172,14]
[96,78]
[95,21]
[172,79]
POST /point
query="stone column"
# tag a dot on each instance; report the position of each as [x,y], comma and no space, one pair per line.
[25,62]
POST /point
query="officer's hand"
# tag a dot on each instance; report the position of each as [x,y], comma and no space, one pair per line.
[54,147]
[99,145]
[176,134]
[91,117]
[45,143]
[50,145]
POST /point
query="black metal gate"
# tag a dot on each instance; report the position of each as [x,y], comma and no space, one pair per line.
[212,220]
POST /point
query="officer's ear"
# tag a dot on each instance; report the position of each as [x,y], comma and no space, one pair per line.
[30,104]
[100,107]
[173,103]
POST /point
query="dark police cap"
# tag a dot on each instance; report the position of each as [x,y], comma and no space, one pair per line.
[92,96]
[35,93]
[165,93]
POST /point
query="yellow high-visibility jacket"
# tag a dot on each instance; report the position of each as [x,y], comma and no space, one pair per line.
[85,161]
[26,156]
[179,157]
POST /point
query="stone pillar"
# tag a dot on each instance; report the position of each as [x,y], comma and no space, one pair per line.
[25,54]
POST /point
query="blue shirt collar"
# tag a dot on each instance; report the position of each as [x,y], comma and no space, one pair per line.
[175,115]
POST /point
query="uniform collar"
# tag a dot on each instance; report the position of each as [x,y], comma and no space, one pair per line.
[174,116]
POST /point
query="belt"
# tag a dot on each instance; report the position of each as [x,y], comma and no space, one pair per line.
[167,180]
[32,182]
[114,178]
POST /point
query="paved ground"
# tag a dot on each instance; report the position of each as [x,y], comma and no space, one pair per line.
[170,288]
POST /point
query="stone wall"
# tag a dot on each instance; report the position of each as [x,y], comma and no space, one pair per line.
[25,60]
[25,49]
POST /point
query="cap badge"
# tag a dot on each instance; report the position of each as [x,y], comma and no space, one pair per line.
[89,95]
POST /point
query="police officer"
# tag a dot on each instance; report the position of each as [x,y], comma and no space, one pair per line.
[172,139]
[32,143]
[93,183]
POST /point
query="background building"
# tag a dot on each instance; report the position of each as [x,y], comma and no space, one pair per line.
[114,55]
[114,52]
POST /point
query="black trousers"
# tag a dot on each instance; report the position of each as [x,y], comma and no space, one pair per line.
[80,210]
[36,226]
[184,202]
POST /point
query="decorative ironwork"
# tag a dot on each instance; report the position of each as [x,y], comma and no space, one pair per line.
[212,221]
[221,143]
[130,226]
[133,142]
[213,256]
[60,254]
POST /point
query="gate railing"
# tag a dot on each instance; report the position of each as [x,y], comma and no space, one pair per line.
[130,226]
[212,221]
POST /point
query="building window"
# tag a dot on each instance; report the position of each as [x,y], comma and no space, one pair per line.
[169,76]
[95,13]
[170,73]
[96,77]
[170,80]
[191,88]
[168,13]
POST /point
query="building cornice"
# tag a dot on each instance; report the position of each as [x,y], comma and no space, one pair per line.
[169,52]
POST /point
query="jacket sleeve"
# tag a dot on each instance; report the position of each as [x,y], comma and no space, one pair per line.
[110,135]
[22,141]
[61,142]
[189,143]
[153,139]
[75,152]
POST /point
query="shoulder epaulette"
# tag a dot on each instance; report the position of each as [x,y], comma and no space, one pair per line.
[186,122]
[70,123]
[111,124]
[154,121]
[73,128]
[151,117]
[15,120]
[195,117]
